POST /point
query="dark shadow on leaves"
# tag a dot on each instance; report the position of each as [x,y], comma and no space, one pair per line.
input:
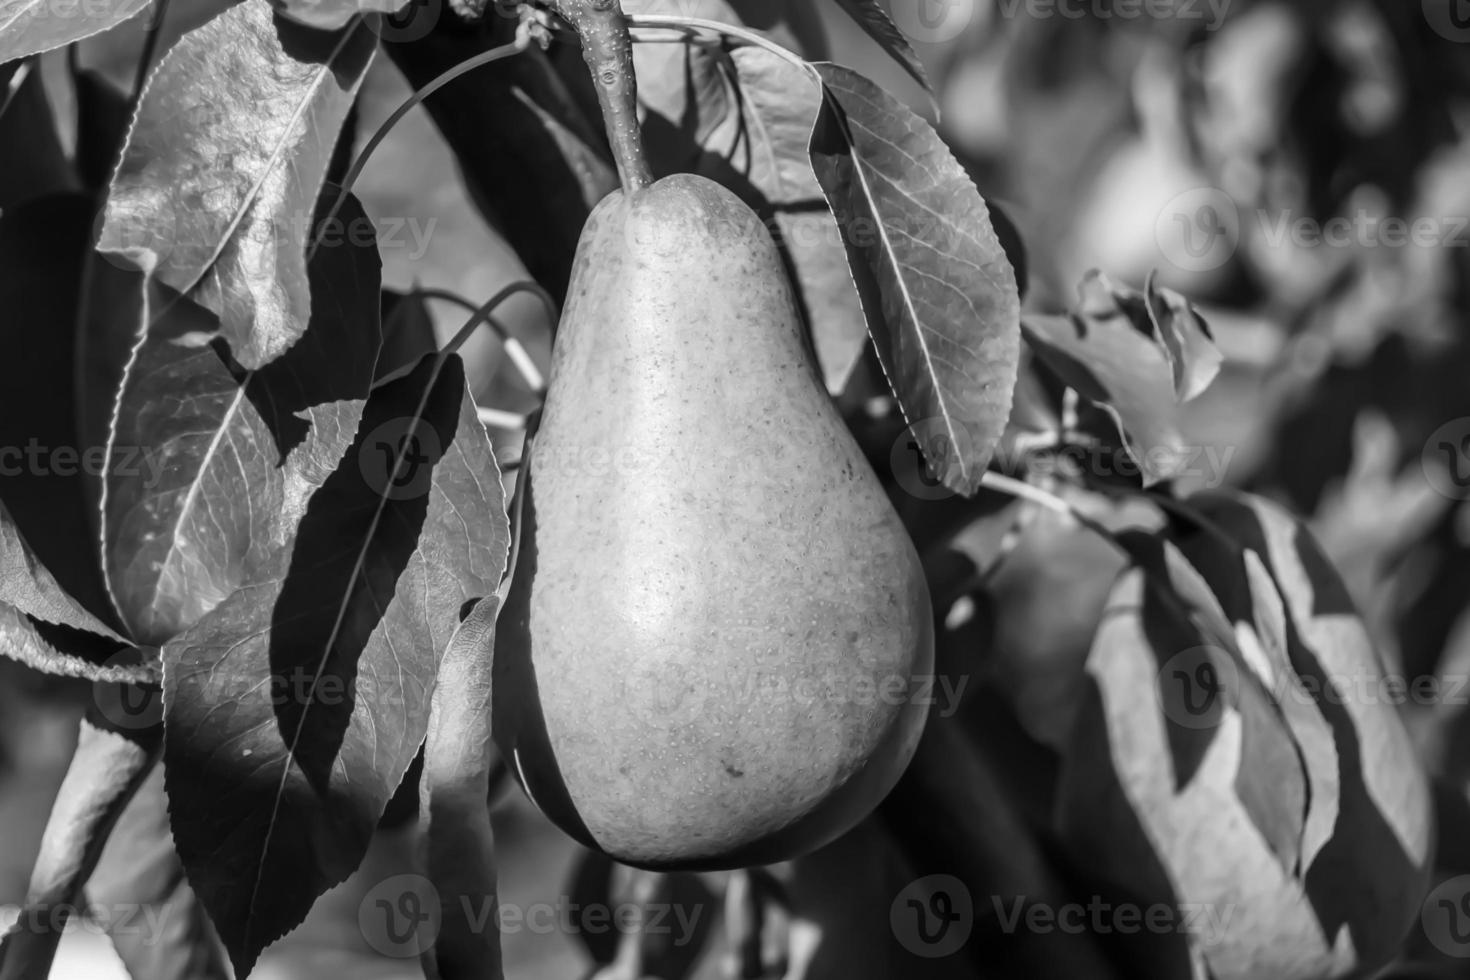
[352,547]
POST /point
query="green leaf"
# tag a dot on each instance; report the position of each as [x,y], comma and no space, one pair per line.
[873,19]
[30,599]
[223,165]
[30,27]
[939,296]
[1321,852]
[1366,857]
[294,708]
[210,464]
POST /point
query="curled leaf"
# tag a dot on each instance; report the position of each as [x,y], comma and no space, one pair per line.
[46,629]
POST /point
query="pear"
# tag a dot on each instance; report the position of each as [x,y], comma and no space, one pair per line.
[714,647]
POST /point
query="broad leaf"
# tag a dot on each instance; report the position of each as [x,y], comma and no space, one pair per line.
[30,600]
[772,169]
[1372,842]
[295,707]
[459,755]
[1255,603]
[230,455]
[31,26]
[46,467]
[139,868]
[873,19]
[939,296]
[226,155]
[1206,682]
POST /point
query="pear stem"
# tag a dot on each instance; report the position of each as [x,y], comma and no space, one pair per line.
[607,47]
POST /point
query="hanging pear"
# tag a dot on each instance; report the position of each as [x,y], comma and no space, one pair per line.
[713,648]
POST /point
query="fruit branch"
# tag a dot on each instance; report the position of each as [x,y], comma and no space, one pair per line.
[608,49]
